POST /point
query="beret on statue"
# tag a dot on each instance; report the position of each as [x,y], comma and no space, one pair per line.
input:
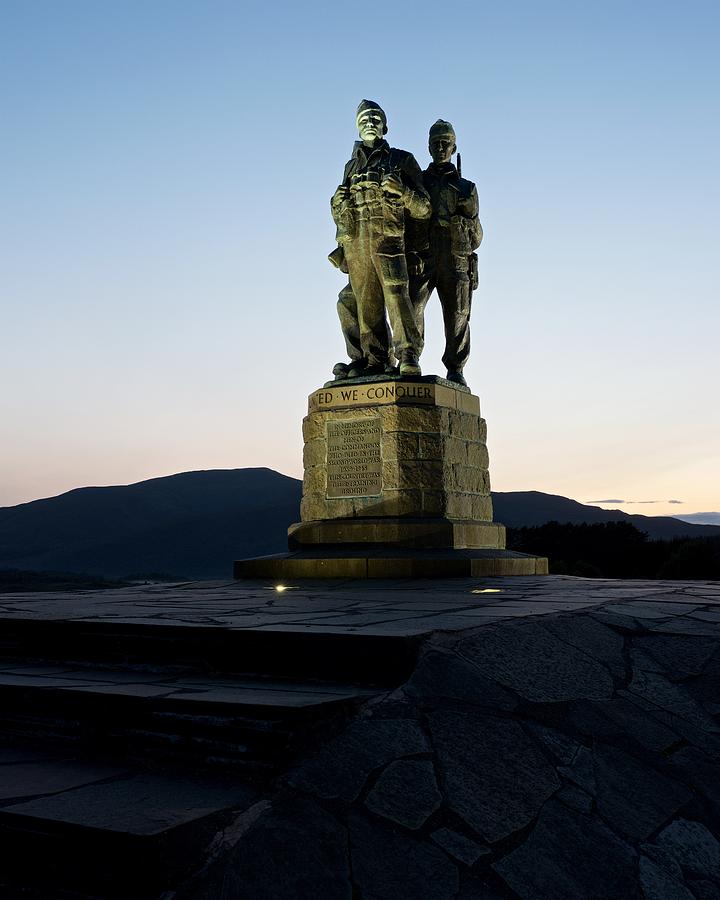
[441,127]
[365,105]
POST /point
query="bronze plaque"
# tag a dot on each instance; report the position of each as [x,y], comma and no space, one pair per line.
[354,463]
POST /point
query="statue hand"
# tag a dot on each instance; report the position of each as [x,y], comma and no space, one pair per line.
[393,186]
[340,196]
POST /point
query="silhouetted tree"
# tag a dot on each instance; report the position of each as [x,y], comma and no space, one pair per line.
[617,550]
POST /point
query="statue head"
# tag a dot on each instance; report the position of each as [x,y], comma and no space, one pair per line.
[371,121]
[441,143]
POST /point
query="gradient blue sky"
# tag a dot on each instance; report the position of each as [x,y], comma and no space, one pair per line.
[164,223]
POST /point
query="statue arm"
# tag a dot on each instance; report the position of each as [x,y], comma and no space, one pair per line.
[338,202]
[416,198]
[468,209]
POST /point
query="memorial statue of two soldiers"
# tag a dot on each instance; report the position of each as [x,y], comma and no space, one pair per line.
[401,234]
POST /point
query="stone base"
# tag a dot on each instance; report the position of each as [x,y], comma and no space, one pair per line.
[390,562]
[413,533]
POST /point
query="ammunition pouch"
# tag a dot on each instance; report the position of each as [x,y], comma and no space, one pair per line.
[473,271]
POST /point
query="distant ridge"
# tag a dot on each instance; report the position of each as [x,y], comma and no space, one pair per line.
[517,508]
[195,524]
[701,518]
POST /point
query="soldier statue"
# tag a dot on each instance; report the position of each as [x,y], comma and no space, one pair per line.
[382,188]
[447,243]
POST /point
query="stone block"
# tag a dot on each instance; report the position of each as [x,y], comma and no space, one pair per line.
[533,662]
[314,453]
[458,506]
[412,474]
[575,854]
[468,479]
[458,846]
[430,446]
[470,535]
[477,455]
[502,567]
[406,793]
[464,425]
[396,503]
[496,779]
[631,796]
[342,767]
[413,418]
[481,509]
[433,503]
[317,506]
[315,480]
[313,427]
[454,451]
[691,846]
[400,445]
[482,431]
[467,403]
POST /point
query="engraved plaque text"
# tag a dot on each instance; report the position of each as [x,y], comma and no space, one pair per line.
[354,463]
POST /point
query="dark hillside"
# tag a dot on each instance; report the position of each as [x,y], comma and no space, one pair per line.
[195,523]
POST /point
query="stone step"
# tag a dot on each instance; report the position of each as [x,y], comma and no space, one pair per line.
[71,827]
[301,650]
[257,724]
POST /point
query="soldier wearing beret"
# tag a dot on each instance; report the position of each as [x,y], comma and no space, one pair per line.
[381,189]
[447,244]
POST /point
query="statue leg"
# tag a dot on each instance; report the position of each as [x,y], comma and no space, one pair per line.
[393,275]
[348,315]
[421,285]
[453,287]
[370,304]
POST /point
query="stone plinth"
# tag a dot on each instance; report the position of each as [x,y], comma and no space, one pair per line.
[396,482]
[433,459]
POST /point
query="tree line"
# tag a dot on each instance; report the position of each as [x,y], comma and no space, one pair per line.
[617,550]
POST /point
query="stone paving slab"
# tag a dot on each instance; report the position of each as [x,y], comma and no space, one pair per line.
[384,606]
[131,803]
[258,692]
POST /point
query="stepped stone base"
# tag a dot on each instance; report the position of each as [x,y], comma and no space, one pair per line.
[390,562]
[420,533]
[396,484]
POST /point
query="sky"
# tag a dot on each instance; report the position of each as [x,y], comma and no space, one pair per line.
[166,303]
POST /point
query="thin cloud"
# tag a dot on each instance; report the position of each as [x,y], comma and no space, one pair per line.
[629,502]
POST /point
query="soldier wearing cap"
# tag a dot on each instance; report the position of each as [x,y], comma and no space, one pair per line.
[382,188]
[452,235]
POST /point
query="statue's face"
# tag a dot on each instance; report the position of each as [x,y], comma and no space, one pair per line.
[441,148]
[371,125]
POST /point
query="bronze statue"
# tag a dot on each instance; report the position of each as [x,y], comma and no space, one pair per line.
[447,244]
[382,188]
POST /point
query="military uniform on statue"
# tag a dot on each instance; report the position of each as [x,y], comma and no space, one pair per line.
[447,248]
[381,187]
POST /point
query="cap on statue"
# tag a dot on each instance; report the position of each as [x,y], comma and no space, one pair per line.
[365,105]
[441,127]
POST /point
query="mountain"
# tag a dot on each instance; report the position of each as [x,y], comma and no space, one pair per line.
[517,508]
[196,523]
[702,518]
[193,524]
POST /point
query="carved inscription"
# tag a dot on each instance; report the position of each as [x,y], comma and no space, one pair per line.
[354,463]
[375,394]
